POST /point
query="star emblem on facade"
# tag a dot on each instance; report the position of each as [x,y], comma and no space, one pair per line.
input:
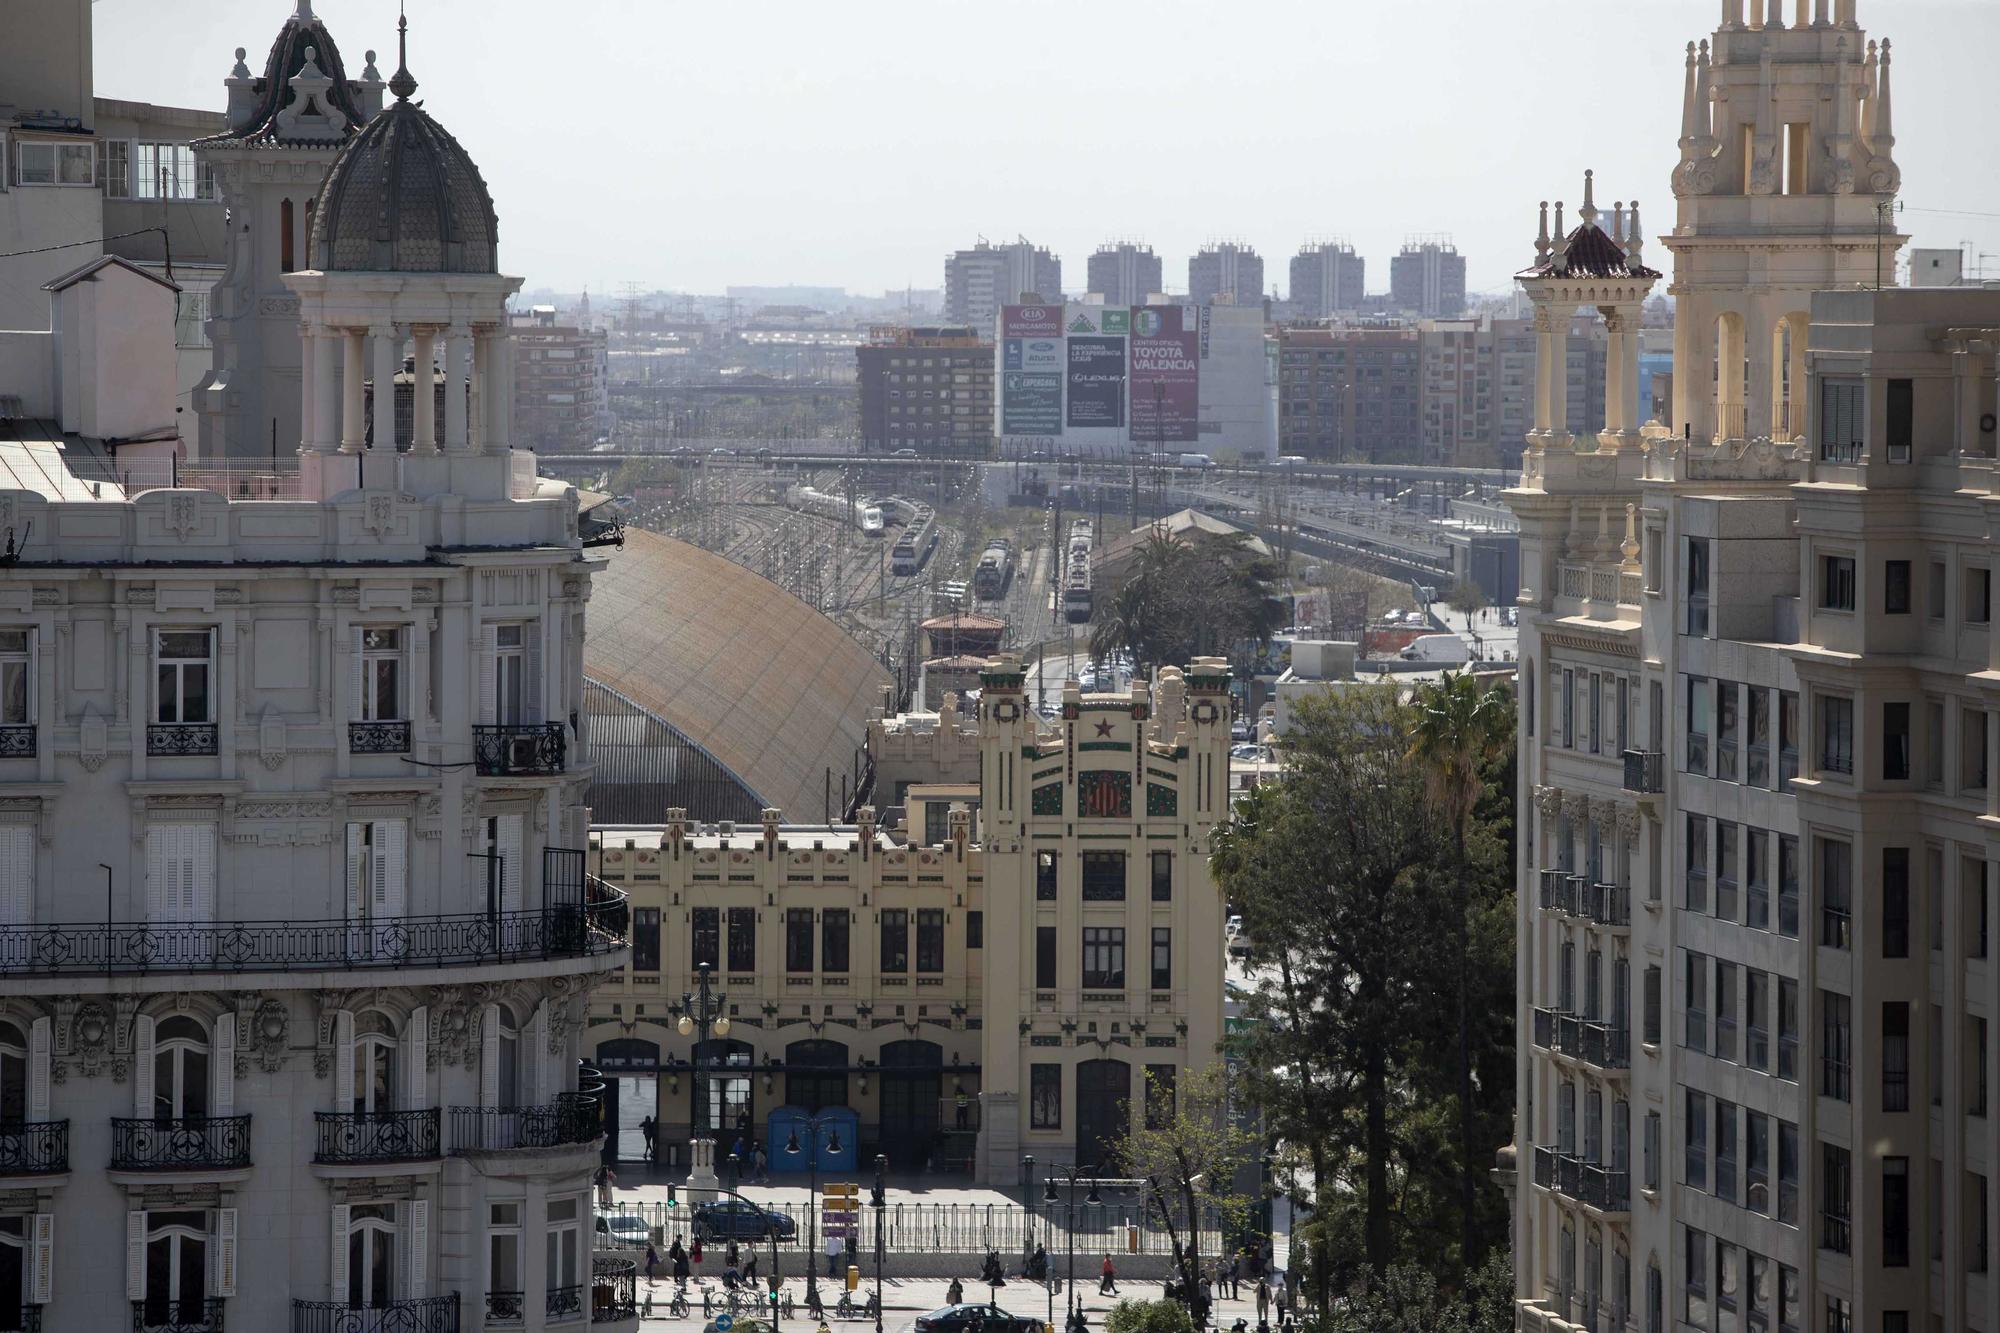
[1104,728]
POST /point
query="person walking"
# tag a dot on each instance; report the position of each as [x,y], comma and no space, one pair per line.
[1107,1279]
[649,1130]
[1263,1302]
[762,1177]
[750,1265]
[652,1260]
[835,1247]
[606,1180]
[679,1258]
[1235,1275]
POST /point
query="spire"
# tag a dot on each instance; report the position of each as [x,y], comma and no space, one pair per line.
[1559,247]
[401,83]
[1636,237]
[304,13]
[1884,136]
[1688,104]
[1703,123]
[1587,215]
[1868,94]
[1542,237]
[1618,222]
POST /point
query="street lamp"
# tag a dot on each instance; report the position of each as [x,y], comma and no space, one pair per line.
[1049,1196]
[812,1191]
[701,1011]
[879,1201]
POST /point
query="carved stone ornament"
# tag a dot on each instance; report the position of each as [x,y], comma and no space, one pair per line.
[328,1004]
[1549,800]
[1628,822]
[1577,806]
[263,1032]
[91,1037]
[454,1022]
[379,515]
[183,514]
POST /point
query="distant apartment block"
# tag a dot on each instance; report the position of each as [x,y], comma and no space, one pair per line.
[1125,273]
[977,282]
[1226,272]
[1328,278]
[1349,393]
[1428,279]
[925,387]
[562,382]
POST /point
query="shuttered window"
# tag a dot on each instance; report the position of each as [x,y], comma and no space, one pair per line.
[1840,420]
[180,874]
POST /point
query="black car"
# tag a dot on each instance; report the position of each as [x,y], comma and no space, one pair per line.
[971,1318]
[734,1219]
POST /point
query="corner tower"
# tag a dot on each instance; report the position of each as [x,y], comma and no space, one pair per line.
[1787,168]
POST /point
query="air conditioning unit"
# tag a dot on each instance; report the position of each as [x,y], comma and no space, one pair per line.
[523,752]
[726,827]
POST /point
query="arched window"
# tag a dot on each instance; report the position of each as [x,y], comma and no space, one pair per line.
[508,1080]
[180,1068]
[371,1255]
[285,264]
[13,1074]
[176,1265]
[816,1074]
[374,1063]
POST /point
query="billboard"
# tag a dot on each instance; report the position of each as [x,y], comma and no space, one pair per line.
[1031,321]
[1042,354]
[1166,376]
[1096,381]
[1031,402]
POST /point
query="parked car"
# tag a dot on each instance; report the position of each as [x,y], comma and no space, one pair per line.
[734,1219]
[968,1317]
[720,452]
[904,453]
[623,1231]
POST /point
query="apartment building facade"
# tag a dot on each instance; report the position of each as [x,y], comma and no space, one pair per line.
[1327,278]
[1350,393]
[1226,271]
[1427,278]
[925,388]
[1125,273]
[562,383]
[977,282]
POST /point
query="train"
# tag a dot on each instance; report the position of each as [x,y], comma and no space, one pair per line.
[913,549]
[860,513]
[995,569]
[1076,599]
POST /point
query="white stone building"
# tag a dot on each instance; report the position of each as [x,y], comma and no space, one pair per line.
[295,932]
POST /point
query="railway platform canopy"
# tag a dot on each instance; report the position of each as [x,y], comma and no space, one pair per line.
[712,688]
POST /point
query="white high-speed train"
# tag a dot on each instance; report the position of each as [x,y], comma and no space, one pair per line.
[860,513]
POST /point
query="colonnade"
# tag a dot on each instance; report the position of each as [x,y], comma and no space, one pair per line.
[478,365]
[1621,368]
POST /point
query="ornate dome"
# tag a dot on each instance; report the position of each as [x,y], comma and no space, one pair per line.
[404,197]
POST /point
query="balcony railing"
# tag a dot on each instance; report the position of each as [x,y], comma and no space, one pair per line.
[376,1136]
[378,738]
[173,739]
[17,742]
[28,1319]
[1608,905]
[526,749]
[200,1316]
[598,925]
[505,1307]
[425,1314]
[1559,891]
[34,1148]
[614,1288]
[1645,772]
[1574,1177]
[564,1302]
[189,1143]
[572,1118]
[1604,1045]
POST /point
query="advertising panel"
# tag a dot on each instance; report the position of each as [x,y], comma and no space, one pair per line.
[1045,354]
[1030,403]
[1031,321]
[1096,381]
[1166,376]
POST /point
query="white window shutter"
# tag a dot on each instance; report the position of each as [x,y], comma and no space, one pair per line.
[510,844]
[359,709]
[201,904]
[392,843]
[156,872]
[39,1034]
[17,875]
[489,1057]
[222,1067]
[416,1055]
[142,1066]
[224,1276]
[489,659]
[418,1243]
[531,682]
[529,1066]
[337,1271]
[135,1255]
[41,1285]
[343,1054]
[356,864]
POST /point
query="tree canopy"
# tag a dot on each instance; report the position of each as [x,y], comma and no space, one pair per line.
[1187,596]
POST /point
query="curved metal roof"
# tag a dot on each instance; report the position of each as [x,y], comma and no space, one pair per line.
[770,688]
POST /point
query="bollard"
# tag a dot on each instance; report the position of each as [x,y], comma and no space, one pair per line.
[853,1278]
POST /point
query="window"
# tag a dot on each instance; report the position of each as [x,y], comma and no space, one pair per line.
[1974,1225]
[1756,1162]
[511,695]
[1978,595]
[1788,886]
[705,937]
[645,939]
[1695,1248]
[1757,871]
[1725,870]
[1045,957]
[1726,692]
[1972,873]
[1697,724]
[16,699]
[1791,1305]
[169,171]
[1757,1018]
[975,930]
[1757,1293]
[1836,889]
[380,673]
[1163,958]
[1649,1150]
[1655,1299]
[1836,583]
[183,675]
[1725,1151]
[1836,1198]
[1975,1066]
[743,938]
[1697,863]
[798,938]
[1836,734]
[1595,716]
[1841,420]
[1104,958]
[1895,742]
[1788,1029]
[1728,1274]
[1694,1168]
[1934,742]
[895,939]
[1045,1096]
[1104,877]
[1895,902]
[1971,748]
[180,874]
[1835,1044]
[1694,994]
[503,1247]
[1934,595]
[1045,877]
[1725,1010]
[1896,587]
[930,939]
[833,940]
[1650,1005]
[114,168]
[1697,586]
[1895,1212]
[1839,1315]
[180,1069]
[48,162]
[1163,877]
[1788,1173]
[564,1238]
[1788,736]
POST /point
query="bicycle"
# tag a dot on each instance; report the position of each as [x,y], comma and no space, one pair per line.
[785,1302]
[678,1307]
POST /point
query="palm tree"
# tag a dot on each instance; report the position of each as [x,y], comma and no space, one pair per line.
[1460,728]
[1121,621]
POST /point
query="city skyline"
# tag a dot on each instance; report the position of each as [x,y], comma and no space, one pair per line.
[695,218]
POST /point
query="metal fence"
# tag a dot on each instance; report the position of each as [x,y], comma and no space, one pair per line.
[1120,1228]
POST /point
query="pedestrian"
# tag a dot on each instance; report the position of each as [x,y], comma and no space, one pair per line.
[1278,1294]
[734,1254]
[750,1265]
[1203,1299]
[649,1130]
[652,1260]
[761,1176]
[737,1150]
[694,1254]
[835,1247]
[853,1248]
[1235,1276]
[1263,1301]
[679,1258]
[963,1111]
[1107,1279]
[606,1180]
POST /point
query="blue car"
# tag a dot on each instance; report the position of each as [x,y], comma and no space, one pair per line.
[734,1219]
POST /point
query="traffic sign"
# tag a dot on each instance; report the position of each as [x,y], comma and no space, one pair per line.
[724,1323]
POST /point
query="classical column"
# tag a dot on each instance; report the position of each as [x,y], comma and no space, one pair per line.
[1798,413]
[353,408]
[308,369]
[482,387]
[1729,420]
[1558,345]
[1544,362]
[1630,415]
[423,393]
[457,369]
[387,347]
[497,391]
[325,423]
[1615,337]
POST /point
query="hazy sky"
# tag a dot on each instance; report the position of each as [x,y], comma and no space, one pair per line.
[694,145]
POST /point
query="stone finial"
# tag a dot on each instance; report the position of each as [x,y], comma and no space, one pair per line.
[401,83]
[1635,237]
[369,74]
[1587,215]
[241,70]
[1542,236]
[1618,222]
[304,12]
[1629,548]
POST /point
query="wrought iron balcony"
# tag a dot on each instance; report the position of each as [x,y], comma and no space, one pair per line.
[1592,1183]
[171,739]
[1603,1045]
[1559,890]
[614,1288]
[596,925]
[1645,772]
[17,742]
[376,1136]
[523,749]
[1608,905]
[565,1302]
[425,1314]
[187,1143]
[505,1307]
[34,1148]
[201,1316]
[378,738]
[573,1118]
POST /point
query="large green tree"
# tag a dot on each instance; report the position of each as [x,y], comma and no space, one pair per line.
[1186,596]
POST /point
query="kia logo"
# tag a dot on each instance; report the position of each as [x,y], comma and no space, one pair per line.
[1033,312]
